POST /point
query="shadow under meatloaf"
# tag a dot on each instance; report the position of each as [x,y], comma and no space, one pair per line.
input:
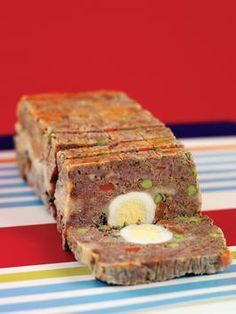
[197,247]
[89,179]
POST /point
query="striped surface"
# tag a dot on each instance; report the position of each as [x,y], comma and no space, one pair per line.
[37,276]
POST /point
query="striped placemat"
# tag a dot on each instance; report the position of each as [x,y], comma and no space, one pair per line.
[36,276]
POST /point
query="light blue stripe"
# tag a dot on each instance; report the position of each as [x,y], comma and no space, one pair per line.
[6,168]
[216,171]
[218,188]
[36,202]
[215,154]
[54,287]
[10,176]
[217,179]
[110,296]
[209,163]
[71,286]
[14,185]
[162,303]
[18,194]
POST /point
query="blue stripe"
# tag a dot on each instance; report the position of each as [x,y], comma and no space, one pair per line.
[218,188]
[216,171]
[10,176]
[6,168]
[217,179]
[163,303]
[117,295]
[36,202]
[18,194]
[209,163]
[14,185]
[70,286]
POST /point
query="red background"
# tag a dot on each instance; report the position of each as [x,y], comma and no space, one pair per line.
[178,58]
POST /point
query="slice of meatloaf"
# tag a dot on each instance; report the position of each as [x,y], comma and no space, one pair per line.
[197,247]
[89,179]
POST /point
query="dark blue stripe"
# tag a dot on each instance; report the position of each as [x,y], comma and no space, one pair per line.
[71,286]
[110,296]
[36,202]
[6,142]
[204,129]
[18,194]
[162,303]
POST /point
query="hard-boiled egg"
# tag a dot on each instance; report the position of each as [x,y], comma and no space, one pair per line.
[146,234]
[131,208]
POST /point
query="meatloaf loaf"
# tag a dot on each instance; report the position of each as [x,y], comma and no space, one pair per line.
[196,247]
[80,151]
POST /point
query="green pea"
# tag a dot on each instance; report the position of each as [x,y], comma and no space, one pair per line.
[159,198]
[191,190]
[146,183]
[173,245]
[82,231]
[101,142]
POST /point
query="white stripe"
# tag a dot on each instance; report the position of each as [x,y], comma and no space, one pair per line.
[216,167]
[116,303]
[7,154]
[14,172]
[46,281]
[218,200]
[10,181]
[23,216]
[208,141]
[13,190]
[22,269]
[219,159]
[20,199]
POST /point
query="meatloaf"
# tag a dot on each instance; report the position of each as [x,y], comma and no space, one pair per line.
[197,247]
[81,150]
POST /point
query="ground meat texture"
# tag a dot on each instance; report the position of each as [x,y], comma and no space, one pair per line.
[198,247]
[96,146]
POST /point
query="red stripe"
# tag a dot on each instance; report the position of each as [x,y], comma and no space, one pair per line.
[41,244]
[226,220]
[31,245]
